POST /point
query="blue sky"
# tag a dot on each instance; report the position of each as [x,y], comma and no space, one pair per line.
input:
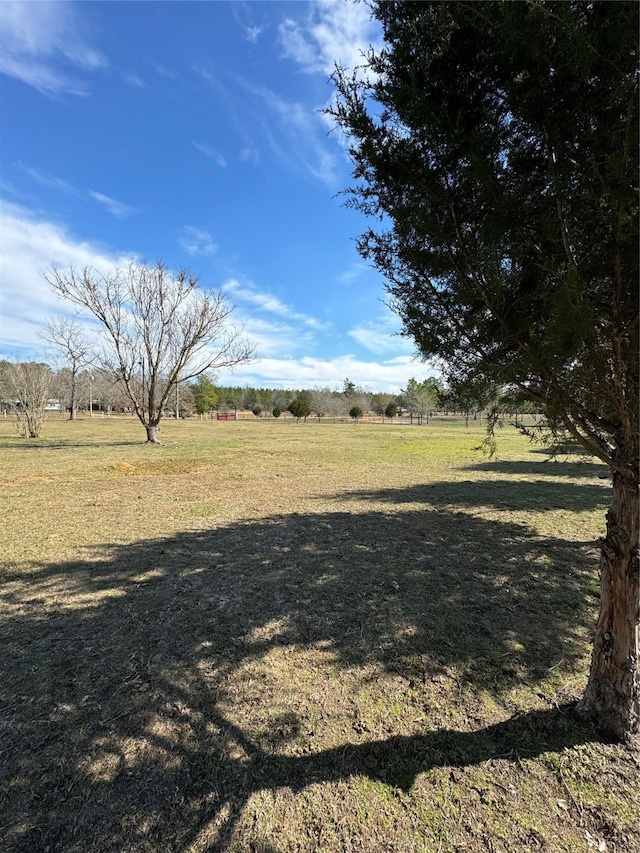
[192,132]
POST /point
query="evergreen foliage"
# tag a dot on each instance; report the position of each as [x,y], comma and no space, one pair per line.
[300,406]
[498,141]
[496,145]
[391,411]
[204,394]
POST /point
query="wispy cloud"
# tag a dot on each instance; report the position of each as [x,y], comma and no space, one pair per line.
[297,45]
[276,327]
[216,84]
[243,13]
[352,273]
[134,81]
[335,32]
[116,208]
[42,45]
[294,131]
[195,241]
[211,152]
[47,180]
[270,304]
[252,33]
[163,71]
[302,137]
[51,182]
[249,155]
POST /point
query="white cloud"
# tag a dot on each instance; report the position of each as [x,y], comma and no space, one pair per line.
[249,155]
[274,338]
[210,151]
[243,13]
[375,337]
[295,131]
[116,208]
[51,182]
[195,241]
[252,33]
[335,32]
[353,272]
[42,45]
[29,245]
[277,329]
[271,304]
[308,372]
[282,335]
[296,45]
[165,72]
[134,81]
[47,180]
[382,335]
[302,140]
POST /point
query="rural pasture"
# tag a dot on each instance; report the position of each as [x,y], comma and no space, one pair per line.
[274,636]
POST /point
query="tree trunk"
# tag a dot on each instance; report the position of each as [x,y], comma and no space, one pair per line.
[73,408]
[612,696]
[153,433]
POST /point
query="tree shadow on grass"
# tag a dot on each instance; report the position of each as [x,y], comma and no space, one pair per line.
[125,727]
[35,444]
[581,469]
[537,495]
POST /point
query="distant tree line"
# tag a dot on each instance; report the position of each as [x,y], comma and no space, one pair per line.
[418,400]
[29,390]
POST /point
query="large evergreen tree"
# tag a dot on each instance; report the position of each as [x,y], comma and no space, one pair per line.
[204,394]
[496,144]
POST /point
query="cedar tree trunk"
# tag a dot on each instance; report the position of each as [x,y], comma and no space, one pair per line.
[612,696]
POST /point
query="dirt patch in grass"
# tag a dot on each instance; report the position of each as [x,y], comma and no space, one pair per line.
[300,638]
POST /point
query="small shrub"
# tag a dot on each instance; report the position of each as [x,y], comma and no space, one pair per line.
[391,411]
[301,406]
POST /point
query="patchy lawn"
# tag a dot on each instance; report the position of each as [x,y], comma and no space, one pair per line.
[275,637]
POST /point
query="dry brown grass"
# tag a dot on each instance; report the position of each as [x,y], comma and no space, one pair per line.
[297,637]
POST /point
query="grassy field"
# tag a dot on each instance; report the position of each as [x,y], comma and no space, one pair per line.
[273,637]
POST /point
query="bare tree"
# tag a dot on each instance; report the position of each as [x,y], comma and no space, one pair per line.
[159,328]
[321,401]
[68,338]
[109,390]
[26,387]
